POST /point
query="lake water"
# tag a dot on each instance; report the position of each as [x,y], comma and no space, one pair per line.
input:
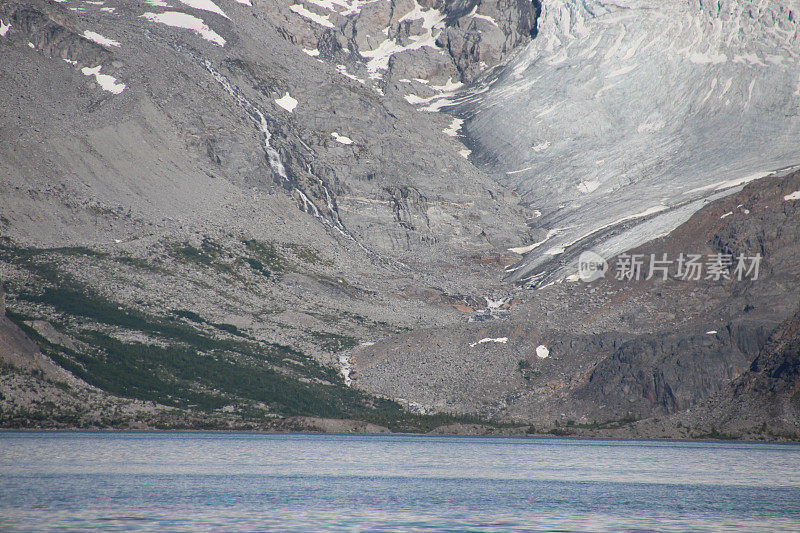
[176,481]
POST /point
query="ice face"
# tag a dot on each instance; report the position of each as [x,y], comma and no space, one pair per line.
[628,115]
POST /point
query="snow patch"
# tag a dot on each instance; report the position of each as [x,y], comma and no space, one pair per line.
[205,5]
[585,187]
[711,332]
[707,58]
[313,52]
[378,58]
[538,147]
[177,19]
[726,215]
[99,39]
[474,14]
[341,138]
[499,340]
[108,83]
[343,71]
[310,15]
[651,127]
[491,303]
[286,102]
[465,153]
[452,130]
[510,172]
[4,28]
[448,86]
[525,249]
[542,352]
[727,184]
[345,368]
[793,196]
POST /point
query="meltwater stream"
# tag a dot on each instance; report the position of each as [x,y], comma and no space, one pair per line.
[173,481]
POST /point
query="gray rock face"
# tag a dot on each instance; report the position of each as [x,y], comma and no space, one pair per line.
[415,48]
[764,399]
[340,150]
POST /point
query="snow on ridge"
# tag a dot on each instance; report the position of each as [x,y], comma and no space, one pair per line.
[378,58]
[177,19]
[343,7]
[474,15]
[205,5]
[286,102]
[304,12]
[342,69]
[108,83]
[99,39]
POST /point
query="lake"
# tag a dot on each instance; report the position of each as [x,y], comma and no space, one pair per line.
[206,481]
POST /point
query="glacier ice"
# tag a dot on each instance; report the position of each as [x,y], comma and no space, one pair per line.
[618,121]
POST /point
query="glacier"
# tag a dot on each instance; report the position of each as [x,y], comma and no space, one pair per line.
[621,119]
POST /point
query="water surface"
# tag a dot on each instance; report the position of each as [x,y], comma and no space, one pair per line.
[187,481]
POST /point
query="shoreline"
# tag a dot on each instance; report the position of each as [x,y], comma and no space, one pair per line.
[492,435]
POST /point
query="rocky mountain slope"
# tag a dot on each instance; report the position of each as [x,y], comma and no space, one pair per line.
[253,214]
[615,349]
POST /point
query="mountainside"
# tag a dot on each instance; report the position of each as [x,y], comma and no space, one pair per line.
[615,349]
[266,214]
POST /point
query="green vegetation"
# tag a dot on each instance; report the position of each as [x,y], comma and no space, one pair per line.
[307,254]
[210,254]
[182,359]
[266,259]
[333,342]
[141,264]
[525,368]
